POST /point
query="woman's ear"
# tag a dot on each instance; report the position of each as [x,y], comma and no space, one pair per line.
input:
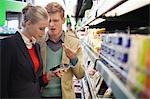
[28,23]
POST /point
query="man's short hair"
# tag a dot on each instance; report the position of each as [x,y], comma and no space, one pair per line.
[55,7]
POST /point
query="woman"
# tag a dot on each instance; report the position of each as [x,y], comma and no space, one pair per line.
[21,63]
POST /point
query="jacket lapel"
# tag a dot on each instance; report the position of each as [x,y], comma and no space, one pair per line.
[24,50]
[65,59]
[43,55]
[37,49]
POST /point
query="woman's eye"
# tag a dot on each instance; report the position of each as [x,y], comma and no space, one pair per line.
[42,29]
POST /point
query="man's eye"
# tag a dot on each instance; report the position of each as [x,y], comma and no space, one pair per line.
[55,20]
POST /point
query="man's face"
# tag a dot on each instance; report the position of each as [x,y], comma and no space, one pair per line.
[55,24]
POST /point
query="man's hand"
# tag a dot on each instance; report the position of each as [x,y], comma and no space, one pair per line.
[60,73]
[78,50]
[70,53]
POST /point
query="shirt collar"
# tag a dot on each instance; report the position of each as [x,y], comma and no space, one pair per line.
[61,37]
[28,43]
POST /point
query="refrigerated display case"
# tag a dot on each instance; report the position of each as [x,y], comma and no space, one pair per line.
[122,58]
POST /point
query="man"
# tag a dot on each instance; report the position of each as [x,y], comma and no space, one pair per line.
[60,49]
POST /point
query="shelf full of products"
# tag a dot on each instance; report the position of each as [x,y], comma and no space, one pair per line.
[92,81]
[123,61]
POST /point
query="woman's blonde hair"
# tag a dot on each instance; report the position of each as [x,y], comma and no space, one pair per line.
[55,7]
[33,13]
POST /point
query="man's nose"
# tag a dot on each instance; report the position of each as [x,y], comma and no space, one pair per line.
[51,24]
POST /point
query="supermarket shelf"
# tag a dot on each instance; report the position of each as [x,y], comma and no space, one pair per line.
[123,72]
[113,8]
[130,4]
[128,21]
[102,7]
[118,87]
[90,86]
[107,6]
[86,21]
[88,49]
[86,93]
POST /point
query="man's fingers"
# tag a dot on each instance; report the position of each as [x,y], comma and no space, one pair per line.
[78,50]
[60,73]
[64,47]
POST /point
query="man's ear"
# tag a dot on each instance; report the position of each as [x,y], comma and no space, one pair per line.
[64,19]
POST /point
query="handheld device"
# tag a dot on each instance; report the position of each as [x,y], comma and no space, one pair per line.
[60,67]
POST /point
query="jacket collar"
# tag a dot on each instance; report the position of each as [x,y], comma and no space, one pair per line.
[61,37]
[28,43]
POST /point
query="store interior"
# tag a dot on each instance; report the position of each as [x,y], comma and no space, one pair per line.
[115,39]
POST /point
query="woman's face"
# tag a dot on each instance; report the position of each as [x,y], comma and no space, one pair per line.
[37,30]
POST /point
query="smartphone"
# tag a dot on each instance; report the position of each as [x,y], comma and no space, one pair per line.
[60,67]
